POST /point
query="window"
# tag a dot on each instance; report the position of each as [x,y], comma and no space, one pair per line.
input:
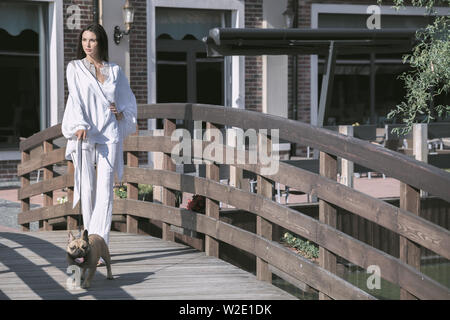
[184,73]
[180,23]
[23,70]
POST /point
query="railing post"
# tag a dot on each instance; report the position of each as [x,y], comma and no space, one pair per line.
[236,174]
[409,251]
[211,206]
[157,165]
[420,145]
[25,182]
[132,188]
[264,227]
[347,167]
[168,195]
[410,201]
[132,192]
[327,214]
[48,196]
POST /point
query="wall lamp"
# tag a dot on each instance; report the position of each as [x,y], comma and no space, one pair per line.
[128,17]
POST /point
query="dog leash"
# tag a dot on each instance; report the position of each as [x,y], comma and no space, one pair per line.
[80,141]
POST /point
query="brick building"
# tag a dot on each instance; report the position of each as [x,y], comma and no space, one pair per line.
[165,61]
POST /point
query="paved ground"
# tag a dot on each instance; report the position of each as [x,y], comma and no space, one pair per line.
[8,215]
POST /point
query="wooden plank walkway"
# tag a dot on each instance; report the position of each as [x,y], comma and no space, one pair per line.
[33,266]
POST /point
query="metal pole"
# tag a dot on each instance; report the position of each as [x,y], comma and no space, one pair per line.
[295,66]
[373,119]
[294,87]
[327,85]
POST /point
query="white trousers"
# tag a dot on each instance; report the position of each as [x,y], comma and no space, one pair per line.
[97,188]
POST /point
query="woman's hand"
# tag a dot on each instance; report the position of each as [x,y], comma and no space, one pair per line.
[117,114]
[81,134]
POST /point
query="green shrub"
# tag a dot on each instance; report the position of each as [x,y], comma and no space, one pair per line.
[145,192]
[121,192]
[306,249]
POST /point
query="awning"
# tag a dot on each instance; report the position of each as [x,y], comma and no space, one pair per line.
[326,41]
[246,41]
[17,17]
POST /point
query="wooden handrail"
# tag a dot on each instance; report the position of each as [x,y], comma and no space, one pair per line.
[334,242]
[393,218]
[57,183]
[369,155]
[297,222]
[393,164]
[267,208]
[43,160]
[41,136]
[45,213]
[277,255]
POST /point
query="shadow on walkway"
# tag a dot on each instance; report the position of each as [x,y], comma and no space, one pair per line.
[27,270]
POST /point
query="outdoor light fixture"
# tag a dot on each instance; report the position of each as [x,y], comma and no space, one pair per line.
[128,16]
[289,17]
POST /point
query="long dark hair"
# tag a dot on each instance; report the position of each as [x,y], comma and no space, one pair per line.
[102,42]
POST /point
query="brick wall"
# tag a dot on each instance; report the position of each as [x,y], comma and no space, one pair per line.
[71,35]
[138,51]
[138,61]
[253,64]
[8,170]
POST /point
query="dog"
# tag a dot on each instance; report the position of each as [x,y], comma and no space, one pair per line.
[85,252]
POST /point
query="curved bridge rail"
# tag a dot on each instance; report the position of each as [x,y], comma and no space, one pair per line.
[39,152]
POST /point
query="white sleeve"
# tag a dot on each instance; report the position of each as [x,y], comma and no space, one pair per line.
[126,103]
[74,118]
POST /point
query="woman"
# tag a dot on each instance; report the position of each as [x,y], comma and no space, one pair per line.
[100,113]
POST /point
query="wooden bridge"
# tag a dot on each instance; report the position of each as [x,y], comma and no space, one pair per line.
[181,265]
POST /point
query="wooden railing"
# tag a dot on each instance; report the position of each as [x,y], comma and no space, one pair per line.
[38,152]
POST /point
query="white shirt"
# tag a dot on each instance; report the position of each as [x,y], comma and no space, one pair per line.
[91,67]
[89,100]
[88,108]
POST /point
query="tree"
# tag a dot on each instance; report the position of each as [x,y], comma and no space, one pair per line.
[430,69]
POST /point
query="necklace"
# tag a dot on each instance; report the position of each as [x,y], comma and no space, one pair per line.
[96,64]
[94,70]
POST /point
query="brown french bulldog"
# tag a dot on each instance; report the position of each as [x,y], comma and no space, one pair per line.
[85,252]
